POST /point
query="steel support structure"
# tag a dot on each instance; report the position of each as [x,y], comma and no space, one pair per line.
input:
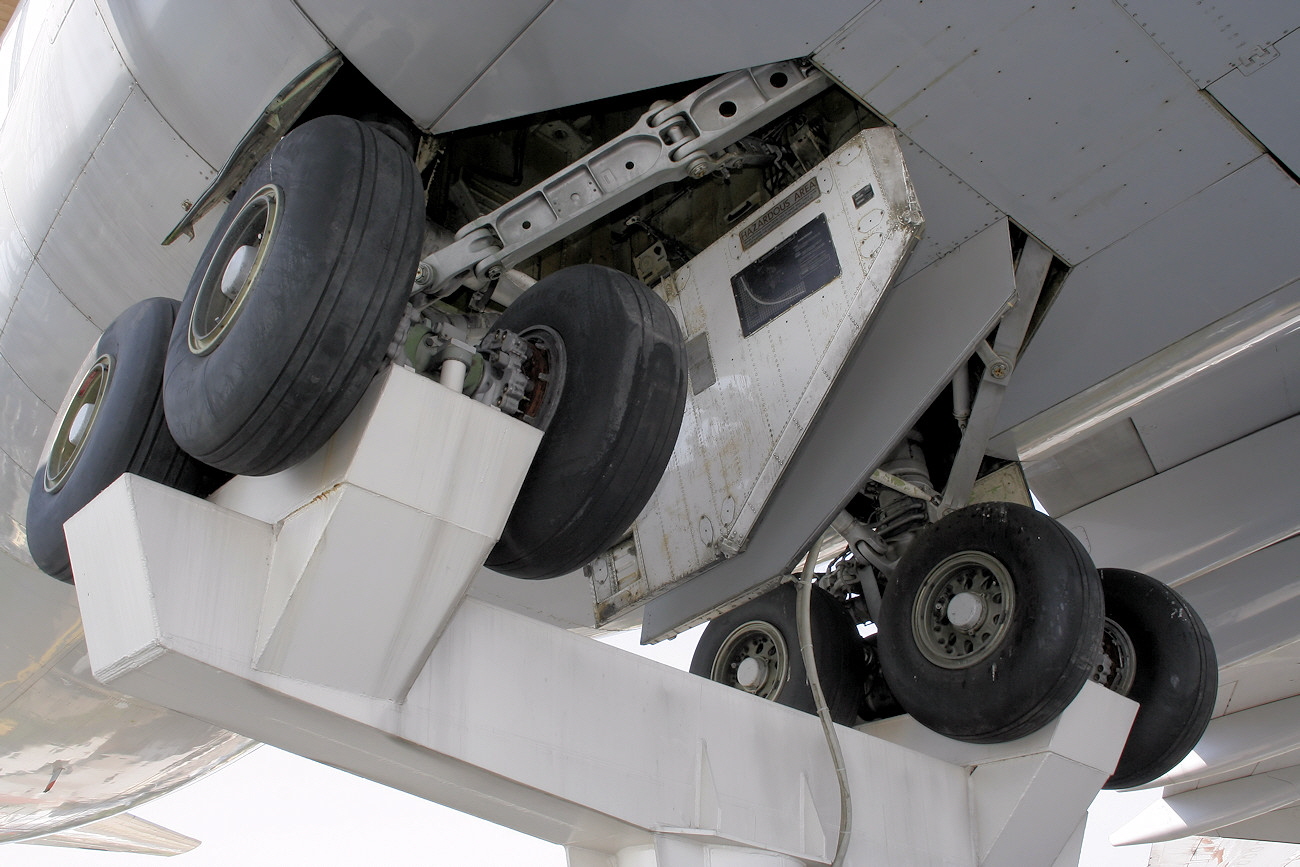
[278,612]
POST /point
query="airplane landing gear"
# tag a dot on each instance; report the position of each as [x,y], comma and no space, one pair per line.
[294,301]
[991,623]
[755,648]
[1157,652]
[610,400]
[111,423]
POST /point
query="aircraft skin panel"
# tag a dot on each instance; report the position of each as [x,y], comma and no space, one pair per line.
[69,93]
[27,417]
[640,45]
[517,57]
[1252,604]
[15,482]
[125,222]
[1266,100]
[15,255]
[237,54]
[1263,679]
[43,317]
[1275,833]
[1230,401]
[1167,279]
[1080,144]
[954,213]
[1171,525]
[423,69]
[1208,41]
[75,751]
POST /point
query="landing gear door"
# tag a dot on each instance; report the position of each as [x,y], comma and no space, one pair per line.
[770,312]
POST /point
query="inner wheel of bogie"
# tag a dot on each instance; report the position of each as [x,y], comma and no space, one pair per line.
[544,368]
[753,658]
[1117,668]
[963,609]
[76,423]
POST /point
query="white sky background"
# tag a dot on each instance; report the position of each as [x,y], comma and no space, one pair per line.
[276,808]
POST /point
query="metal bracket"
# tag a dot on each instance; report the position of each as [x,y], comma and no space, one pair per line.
[999,360]
[669,143]
[269,128]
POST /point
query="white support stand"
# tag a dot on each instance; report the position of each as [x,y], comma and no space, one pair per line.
[343,634]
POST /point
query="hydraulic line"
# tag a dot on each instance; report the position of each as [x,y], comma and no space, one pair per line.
[803,626]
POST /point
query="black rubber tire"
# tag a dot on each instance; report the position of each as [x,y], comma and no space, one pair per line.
[614,423]
[1175,674]
[1022,677]
[837,647]
[129,434]
[322,309]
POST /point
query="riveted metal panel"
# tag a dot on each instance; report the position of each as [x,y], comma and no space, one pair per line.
[1210,38]
[926,327]
[1266,100]
[837,254]
[43,317]
[1080,139]
[234,56]
[68,94]
[579,50]
[1199,262]
[125,201]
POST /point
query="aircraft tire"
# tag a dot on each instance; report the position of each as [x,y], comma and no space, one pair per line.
[1031,604]
[1173,674]
[125,433]
[611,415]
[764,629]
[318,253]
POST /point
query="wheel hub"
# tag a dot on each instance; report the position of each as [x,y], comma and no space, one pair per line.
[753,658]
[75,424]
[963,610]
[750,673]
[1117,668]
[233,270]
[966,611]
[238,271]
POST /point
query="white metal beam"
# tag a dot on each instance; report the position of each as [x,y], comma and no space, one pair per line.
[527,725]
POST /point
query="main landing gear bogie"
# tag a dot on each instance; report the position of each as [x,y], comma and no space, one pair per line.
[288,317]
[990,624]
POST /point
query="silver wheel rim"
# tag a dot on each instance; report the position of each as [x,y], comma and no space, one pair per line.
[76,423]
[1117,669]
[232,272]
[981,588]
[754,642]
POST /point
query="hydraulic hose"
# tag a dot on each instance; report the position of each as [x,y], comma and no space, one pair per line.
[803,626]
